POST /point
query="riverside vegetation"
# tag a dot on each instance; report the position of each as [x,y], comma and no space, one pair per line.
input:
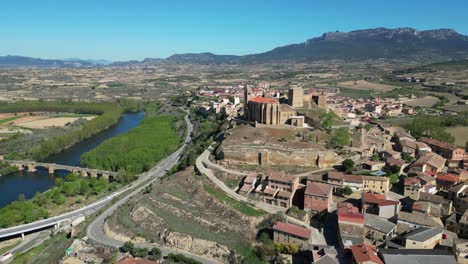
[138,150]
[108,115]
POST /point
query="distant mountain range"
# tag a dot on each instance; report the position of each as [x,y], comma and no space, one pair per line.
[399,43]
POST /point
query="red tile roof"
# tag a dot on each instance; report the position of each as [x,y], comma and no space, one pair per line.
[351,218]
[280,177]
[378,199]
[318,189]
[412,181]
[365,253]
[346,208]
[265,100]
[447,177]
[293,230]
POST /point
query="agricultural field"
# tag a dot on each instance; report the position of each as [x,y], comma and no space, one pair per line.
[426,101]
[460,134]
[367,86]
[456,108]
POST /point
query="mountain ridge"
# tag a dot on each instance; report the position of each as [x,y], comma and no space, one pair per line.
[375,43]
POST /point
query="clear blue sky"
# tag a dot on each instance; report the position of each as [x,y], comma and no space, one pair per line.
[135,29]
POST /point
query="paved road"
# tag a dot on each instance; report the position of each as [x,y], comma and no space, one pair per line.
[95,229]
[203,159]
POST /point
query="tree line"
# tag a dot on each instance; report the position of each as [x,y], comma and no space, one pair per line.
[108,115]
[139,149]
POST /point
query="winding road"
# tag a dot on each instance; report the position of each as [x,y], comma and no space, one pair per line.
[95,230]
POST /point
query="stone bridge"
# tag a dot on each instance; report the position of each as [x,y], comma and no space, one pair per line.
[52,167]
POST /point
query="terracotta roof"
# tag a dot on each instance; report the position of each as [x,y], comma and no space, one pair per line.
[432,159]
[281,177]
[393,161]
[336,175]
[365,253]
[346,208]
[378,199]
[293,230]
[351,218]
[265,100]
[412,181]
[318,189]
[447,177]
[284,194]
[440,144]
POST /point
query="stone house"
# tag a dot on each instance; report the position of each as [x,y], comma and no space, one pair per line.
[339,179]
[318,197]
[378,230]
[458,223]
[413,186]
[365,254]
[446,181]
[280,190]
[285,233]
[373,165]
[459,195]
[438,206]
[430,162]
[446,150]
[377,204]
[424,238]
[376,184]
[460,250]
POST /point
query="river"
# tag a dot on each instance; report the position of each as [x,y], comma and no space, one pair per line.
[28,183]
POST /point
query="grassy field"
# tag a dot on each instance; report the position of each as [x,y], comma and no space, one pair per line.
[398,121]
[355,93]
[460,133]
[366,86]
[456,108]
[9,119]
[426,101]
[241,207]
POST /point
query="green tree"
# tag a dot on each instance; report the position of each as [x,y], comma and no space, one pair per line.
[340,138]
[394,178]
[326,120]
[375,157]
[155,254]
[406,157]
[128,247]
[348,165]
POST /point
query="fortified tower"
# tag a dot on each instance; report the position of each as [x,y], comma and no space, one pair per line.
[296,96]
[247,96]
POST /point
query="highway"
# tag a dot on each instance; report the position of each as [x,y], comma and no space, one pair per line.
[95,229]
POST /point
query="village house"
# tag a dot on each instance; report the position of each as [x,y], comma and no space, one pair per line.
[446,150]
[280,189]
[285,233]
[430,162]
[424,237]
[318,197]
[339,179]
[377,204]
[373,165]
[400,256]
[458,223]
[378,230]
[413,187]
[460,250]
[349,214]
[376,184]
[459,195]
[249,184]
[414,220]
[365,254]
[437,205]
[446,181]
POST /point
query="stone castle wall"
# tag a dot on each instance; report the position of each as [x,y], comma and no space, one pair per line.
[264,155]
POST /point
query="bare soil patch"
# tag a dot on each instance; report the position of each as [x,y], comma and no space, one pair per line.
[365,85]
